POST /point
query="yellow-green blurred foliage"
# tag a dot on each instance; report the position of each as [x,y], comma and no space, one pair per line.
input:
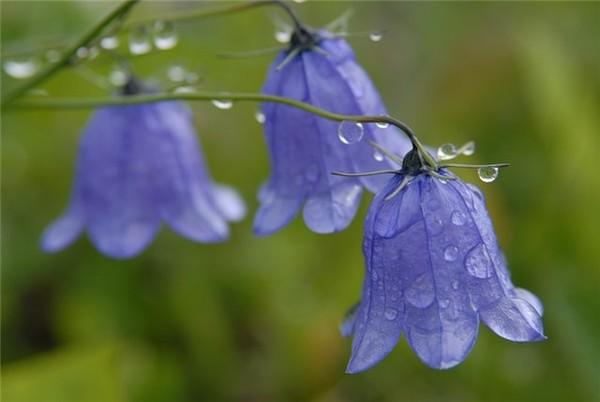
[256,319]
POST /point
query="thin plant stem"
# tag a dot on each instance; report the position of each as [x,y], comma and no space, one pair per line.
[469,166]
[68,54]
[73,103]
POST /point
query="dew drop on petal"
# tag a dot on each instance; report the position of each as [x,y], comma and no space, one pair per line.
[455,285]
[487,174]
[446,152]
[478,263]
[222,104]
[21,68]
[109,42]
[420,293]
[443,303]
[350,132]
[260,117]
[378,156]
[376,36]
[390,313]
[458,218]
[468,149]
[139,41]
[381,124]
[165,35]
[451,253]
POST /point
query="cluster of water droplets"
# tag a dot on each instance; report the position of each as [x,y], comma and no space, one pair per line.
[350,132]
[162,35]
[487,174]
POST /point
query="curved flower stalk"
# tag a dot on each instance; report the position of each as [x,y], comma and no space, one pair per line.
[139,165]
[304,149]
[434,270]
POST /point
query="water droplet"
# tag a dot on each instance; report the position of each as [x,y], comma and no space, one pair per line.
[139,41]
[444,303]
[109,42]
[260,117]
[82,52]
[312,173]
[283,35]
[382,124]
[478,262]
[191,78]
[458,218]
[446,152]
[487,174]
[165,35]
[378,156]
[176,73]
[376,36]
[420,294]
[186,89]
[53,55]
[21,68]
[468,149]
[436,227]
[390,313]
[455,285]
[222,104]
[451,253]
[350,132]
[118,76]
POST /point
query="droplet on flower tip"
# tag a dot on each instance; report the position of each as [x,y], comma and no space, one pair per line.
[21,68]
[109,42]
[382,124]
[350,132]
[118,77]
[222,104]
[176,73]
[165,35]
[446,152]
[260,117]
[53,55]
[378,156]
[139,41]
[468,149]
[376,36]
[487,174]
[283,35]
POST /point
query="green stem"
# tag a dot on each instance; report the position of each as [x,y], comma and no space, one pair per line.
[216,11]
[73,103]
[469,166]
[52,68]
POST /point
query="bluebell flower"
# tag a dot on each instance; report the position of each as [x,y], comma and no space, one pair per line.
[304,148]
[434,270]
[140,165]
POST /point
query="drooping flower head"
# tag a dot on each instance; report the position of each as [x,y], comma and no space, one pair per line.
[320,69]
[137,166]
[434,270]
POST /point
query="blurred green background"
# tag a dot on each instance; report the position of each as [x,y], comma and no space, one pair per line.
[256,319]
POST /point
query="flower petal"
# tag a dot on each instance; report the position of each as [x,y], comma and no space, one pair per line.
[64,230]
[333,210]
[514,319]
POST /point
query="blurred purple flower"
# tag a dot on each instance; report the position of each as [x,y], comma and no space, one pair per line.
[434,269]
[304,148]
[139,165]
